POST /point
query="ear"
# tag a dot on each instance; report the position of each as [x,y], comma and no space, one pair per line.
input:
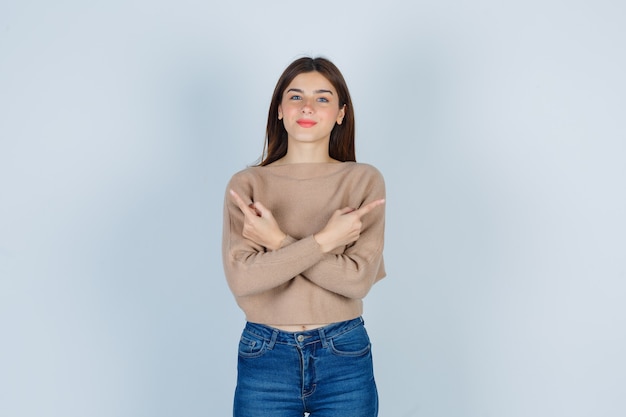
[280,112]
[341,115]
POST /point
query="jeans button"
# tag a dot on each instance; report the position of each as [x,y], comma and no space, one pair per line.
[300,338]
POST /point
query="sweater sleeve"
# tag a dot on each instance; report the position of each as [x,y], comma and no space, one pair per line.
[353,270]
[249,267]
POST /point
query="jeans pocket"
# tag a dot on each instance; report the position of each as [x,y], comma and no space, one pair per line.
[251,345]
[354,342]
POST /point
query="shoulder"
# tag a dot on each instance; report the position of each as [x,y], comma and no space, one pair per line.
[366,168]
[249,174]
[364,180]
[366,171]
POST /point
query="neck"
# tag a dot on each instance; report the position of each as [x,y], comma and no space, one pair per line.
[298,153]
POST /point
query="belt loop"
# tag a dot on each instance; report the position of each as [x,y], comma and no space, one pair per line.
[323,337]
[272,342]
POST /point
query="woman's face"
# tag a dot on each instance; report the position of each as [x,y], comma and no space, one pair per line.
[310,108]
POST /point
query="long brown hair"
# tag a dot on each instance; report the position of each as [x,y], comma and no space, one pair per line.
[341,145]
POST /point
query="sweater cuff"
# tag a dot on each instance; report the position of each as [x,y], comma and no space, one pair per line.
[288,240]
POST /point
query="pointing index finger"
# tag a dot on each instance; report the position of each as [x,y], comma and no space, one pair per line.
[370,206]
[238,200]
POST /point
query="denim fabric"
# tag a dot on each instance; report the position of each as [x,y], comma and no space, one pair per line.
[326,372]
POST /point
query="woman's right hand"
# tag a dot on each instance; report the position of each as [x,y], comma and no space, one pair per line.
[259,224]
[344,226]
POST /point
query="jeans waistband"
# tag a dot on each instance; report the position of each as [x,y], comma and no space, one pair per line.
[321,334]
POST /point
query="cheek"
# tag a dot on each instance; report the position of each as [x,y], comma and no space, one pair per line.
[289,108]
[331,114]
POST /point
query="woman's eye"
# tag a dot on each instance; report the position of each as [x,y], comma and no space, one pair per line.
[295,98]
[322,100]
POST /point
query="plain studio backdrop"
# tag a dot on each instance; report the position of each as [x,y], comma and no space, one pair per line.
[499,128]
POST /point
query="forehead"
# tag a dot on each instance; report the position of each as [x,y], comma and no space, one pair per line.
[311,81]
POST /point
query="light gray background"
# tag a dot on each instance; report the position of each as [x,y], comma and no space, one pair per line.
[499,127]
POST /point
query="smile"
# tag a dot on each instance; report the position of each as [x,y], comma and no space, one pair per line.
[306,123]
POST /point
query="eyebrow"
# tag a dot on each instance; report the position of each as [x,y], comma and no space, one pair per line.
[297,90]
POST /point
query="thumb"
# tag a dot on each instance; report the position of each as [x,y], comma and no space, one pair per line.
[261,211]
[346,210]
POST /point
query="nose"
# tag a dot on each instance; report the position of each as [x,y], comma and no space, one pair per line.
[307,107]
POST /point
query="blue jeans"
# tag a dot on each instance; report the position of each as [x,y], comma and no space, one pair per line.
[326,372]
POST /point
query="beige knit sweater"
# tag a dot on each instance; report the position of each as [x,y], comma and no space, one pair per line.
[298,283]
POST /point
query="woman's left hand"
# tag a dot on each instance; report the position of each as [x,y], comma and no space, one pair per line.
[259,224]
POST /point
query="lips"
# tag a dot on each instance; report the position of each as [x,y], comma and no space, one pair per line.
[306,123]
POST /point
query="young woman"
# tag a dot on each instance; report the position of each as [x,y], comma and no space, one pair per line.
[302,246]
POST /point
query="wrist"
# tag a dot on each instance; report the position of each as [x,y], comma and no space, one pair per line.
[321,240]
[278,242]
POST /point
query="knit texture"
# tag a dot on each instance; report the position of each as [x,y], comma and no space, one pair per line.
[298,283]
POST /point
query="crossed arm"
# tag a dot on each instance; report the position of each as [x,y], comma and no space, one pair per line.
[349,273]
[343,228]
